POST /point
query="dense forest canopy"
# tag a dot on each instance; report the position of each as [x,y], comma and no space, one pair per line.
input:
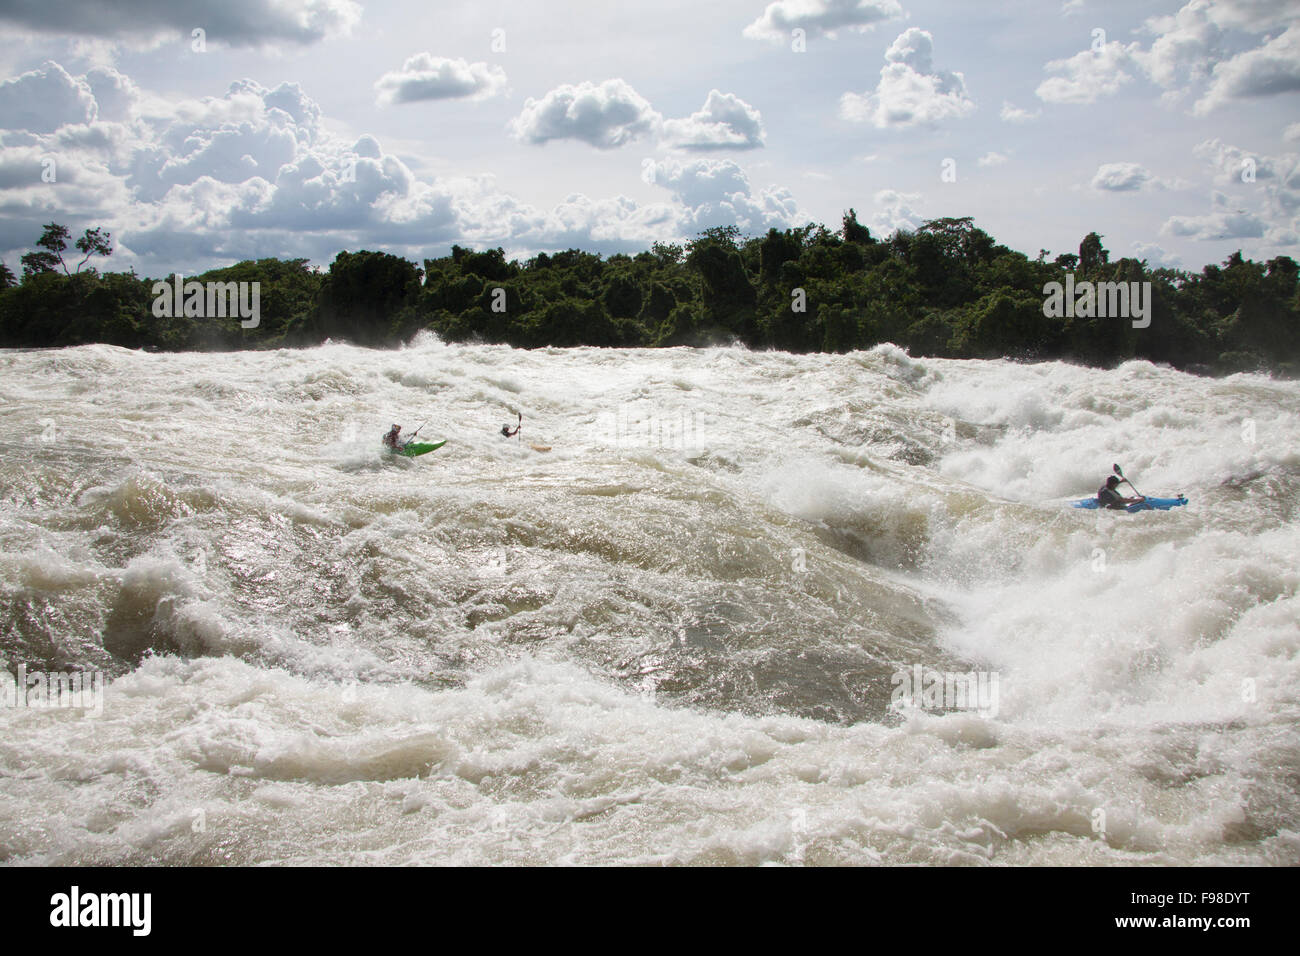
[946,289]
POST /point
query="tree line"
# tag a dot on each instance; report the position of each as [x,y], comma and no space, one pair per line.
[946,289]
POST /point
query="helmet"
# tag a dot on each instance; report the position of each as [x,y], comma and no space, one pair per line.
[1112,481]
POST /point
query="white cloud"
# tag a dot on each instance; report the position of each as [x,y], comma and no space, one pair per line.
[1253,16]
[1155,256]
[1187,51]
[1271,69]
[257,172]
[1183,45]
[44,99]
[1270,185]
[233,23]
[701,181]
[725,122]
[1292,133]
[613,114]
[894,212]
[1230,163]
[717,192]
[1223,223]
[606,116]
[911,92]
[820,17]
[1120,177]
[428,77]
[1014,114]
[115,95]
[1089,75]
[1265,207]
[991,159]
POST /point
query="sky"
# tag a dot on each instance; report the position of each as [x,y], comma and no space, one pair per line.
[203,133]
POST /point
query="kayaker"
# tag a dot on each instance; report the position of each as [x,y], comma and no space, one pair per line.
[509,432]
[391,439]
[1108,497]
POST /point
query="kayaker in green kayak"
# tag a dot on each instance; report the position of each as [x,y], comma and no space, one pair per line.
[1108,497]
[392,439]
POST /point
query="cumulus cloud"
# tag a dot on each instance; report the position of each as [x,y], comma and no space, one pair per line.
[238,23]
[1155,256]
[606,116]
[1089,75]
[1183,45]
[1232,164]
[613,114]
[428,77]
[1120,177]
[1014,114]
[911,92]
[115,94]
[44,99]
[894,212]
[725,122]
[1268,70]
[1264,202]
[820,17]
[717,192]
[1272,182]
[257,172]
[1253,16]
[1223,222]
[1187,50]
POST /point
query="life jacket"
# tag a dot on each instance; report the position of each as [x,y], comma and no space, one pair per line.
[1108,497]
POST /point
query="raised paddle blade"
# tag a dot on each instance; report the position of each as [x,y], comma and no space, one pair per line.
[1119,471]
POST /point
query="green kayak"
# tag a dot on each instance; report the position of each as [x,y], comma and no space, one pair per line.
[414,448]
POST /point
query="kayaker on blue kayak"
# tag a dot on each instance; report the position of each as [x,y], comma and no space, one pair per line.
[1108,497]
[392,439]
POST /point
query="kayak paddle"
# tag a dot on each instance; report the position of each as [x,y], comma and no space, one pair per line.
[1119,471]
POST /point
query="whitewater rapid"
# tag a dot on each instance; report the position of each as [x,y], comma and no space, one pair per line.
[673,638]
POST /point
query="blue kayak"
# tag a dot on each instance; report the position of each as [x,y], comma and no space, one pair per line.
[1151,504]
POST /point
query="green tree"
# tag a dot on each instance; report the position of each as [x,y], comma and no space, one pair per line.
[364,296]
[48,253]
[1092,255]
[94,242]
[854,231]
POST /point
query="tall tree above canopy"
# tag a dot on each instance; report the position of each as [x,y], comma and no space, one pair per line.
[54,242]
[94,242]
[854,231]
[1092,254]
[49,251]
